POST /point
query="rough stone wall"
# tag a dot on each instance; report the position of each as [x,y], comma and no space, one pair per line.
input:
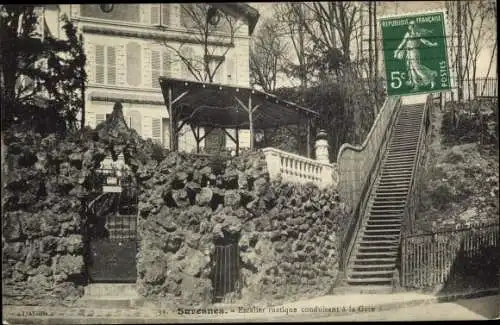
[287,233]
[47,183]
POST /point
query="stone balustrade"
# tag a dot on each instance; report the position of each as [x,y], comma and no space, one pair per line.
[298,169]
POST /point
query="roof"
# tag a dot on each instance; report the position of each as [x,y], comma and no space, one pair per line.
[218,106]
[240,8]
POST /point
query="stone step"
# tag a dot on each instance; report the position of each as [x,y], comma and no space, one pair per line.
[383,221]
[361,255]
[376,249]
[363,289]
[384,226]
[389,204]
[381,210]
[368,281]
[405,163]
[381,231]
[376,200]
[404,146]
[375,261]
[379,242]
[396,173]
[111,289]
[371,274]
[370,237]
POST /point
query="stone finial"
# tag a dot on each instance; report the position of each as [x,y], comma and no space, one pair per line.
[321,147]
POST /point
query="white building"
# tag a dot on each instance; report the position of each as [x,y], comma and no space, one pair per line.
[126,54]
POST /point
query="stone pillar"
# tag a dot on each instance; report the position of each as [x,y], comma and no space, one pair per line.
[321,147]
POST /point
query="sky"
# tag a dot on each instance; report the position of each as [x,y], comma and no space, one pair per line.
[392,8]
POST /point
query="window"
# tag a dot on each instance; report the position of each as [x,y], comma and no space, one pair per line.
[161,14]
[160,66]
[134,67]
[156,128]
[136,121]
[105,64]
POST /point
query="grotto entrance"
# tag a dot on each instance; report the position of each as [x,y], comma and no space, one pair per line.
[226,268]
[111,233]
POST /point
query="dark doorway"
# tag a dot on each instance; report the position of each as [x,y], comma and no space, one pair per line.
[112,234]
[226,270]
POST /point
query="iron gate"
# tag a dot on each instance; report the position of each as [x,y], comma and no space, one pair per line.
[226,275]
[112,229]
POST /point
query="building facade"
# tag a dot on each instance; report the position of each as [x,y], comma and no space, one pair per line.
[131,46]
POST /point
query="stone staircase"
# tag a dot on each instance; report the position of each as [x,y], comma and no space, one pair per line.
[375,252]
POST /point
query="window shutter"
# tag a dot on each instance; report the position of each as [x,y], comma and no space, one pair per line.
[165,14]
[90,64]
[166,63]
[156,128]
[155,14]
[111,65]
[99,118]
[155,68]
[99,64]
[134,64]
[146,68]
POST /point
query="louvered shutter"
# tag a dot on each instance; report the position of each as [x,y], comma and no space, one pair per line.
[147,127]
[121,65]
[111,65]
[155,68]
[156,130]
[90,64]
[165,14]
[146,67]
[175,14]
[99,64]
[134,67]
[99,118]
[155,14]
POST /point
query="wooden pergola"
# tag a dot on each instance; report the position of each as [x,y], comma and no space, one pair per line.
[211,106]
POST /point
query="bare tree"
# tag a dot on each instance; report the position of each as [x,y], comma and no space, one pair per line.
[291,18]
[214,29]
[267,54]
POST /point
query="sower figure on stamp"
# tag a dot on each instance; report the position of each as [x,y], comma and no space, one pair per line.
[419,74]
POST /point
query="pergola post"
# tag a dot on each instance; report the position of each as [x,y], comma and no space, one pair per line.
[172,124]
[308,137]
[237,134]
[250,121]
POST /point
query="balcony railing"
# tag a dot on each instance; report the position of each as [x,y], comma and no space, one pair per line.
[298,169]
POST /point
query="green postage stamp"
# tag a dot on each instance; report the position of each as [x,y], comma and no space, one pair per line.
[416,53]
